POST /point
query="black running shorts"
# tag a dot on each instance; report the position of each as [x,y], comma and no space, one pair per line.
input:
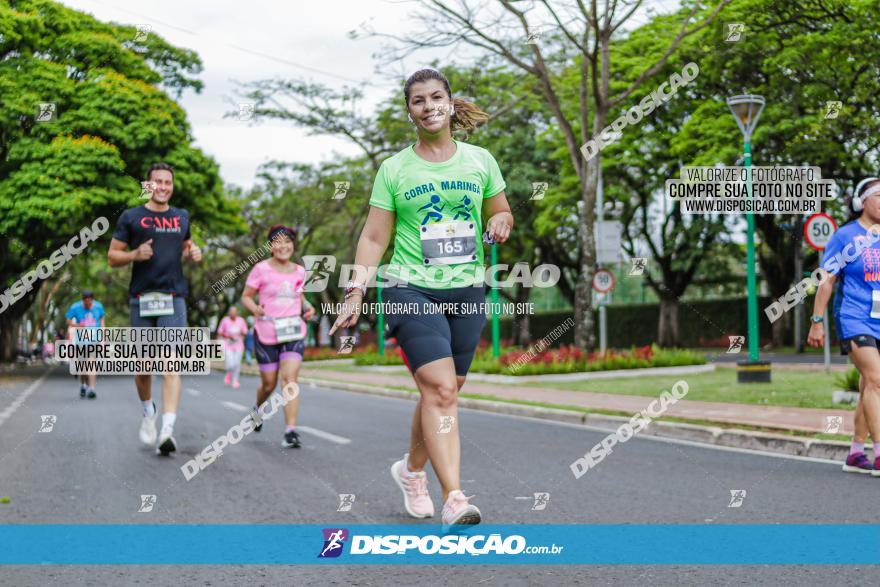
[432,324]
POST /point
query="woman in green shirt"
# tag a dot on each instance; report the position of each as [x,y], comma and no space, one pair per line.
[436,194]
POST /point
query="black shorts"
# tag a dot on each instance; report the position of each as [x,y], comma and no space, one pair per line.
[861,340]
[426,335]
[269,355]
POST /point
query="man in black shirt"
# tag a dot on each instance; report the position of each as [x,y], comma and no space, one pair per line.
[155,237]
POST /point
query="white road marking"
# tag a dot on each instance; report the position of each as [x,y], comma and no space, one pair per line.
[10,409]
[324,435]
[193,392]
[308,430]
[747,451]
[235,406]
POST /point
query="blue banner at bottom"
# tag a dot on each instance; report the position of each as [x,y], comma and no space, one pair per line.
[251,544]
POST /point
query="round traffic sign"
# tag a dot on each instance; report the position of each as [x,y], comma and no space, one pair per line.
[818,230]
[603,281]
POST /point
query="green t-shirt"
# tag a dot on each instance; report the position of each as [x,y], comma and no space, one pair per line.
[422,194]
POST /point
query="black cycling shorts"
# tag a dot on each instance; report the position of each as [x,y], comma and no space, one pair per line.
[860,341]
[425,334]
[269,355]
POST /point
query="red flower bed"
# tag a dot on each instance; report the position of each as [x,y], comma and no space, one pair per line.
[567,353]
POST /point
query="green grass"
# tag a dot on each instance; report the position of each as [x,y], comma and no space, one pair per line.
[791,388]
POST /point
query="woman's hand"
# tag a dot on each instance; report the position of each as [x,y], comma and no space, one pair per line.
[499,226]
[816,337]
[259,312]
[351,311]
[309,313]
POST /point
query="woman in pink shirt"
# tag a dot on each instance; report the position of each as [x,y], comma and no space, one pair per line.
[233,329]
[279,328]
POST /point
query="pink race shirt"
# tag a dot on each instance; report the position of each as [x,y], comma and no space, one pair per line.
[237,329]
[279,293]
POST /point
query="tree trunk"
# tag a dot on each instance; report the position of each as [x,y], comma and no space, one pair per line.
[584,335]
[8,336]
[9,323]
[667,335]
[778,330]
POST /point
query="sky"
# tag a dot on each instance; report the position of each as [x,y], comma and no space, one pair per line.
[240,42]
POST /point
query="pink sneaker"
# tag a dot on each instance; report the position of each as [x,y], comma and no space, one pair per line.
[236,384]
[228,378]
[457,510]
[416,500]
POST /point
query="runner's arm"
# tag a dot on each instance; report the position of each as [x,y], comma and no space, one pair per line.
[192,251]
[247,300]
[117,256]
[823,294]
[309,309]
[372,244]
[499,219]
[816,336]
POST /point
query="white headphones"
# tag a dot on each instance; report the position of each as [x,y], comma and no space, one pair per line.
[862,193]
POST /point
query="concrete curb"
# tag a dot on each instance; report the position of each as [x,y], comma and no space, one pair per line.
[731,437]
[593,375]
[580,376]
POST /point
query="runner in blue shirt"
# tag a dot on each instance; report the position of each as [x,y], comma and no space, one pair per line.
[87,313]
[853,257]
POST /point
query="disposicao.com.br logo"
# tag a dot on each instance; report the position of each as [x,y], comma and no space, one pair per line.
[334,540]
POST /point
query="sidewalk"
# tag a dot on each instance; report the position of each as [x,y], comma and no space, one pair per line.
[778,417]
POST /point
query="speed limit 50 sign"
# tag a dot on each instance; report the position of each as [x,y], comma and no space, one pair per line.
[818,230]
[603,281]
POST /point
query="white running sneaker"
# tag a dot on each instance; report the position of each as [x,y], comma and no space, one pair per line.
[458,512]
[148,432]
[414,487]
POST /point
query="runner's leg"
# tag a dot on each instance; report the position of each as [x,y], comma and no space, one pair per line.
[289,370]
[144,384]
[867,361]
[418,452]
[171,383]
[268,380]
[861,424]
[170,393]
[236,365]
[439,389]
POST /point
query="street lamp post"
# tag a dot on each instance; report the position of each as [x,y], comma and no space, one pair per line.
[746,110]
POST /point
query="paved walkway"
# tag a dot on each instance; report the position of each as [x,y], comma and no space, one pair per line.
[804,419]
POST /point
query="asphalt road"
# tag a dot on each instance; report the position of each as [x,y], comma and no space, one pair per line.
[91,468]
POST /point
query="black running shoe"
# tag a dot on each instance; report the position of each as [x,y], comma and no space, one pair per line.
[92,394]
[257,419]
[82,391]
[291,440]
[166,446]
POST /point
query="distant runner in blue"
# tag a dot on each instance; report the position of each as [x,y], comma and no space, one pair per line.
[86,313]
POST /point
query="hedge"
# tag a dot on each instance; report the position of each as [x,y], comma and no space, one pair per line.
[700,323]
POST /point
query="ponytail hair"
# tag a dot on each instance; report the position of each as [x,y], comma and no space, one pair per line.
[466,115]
